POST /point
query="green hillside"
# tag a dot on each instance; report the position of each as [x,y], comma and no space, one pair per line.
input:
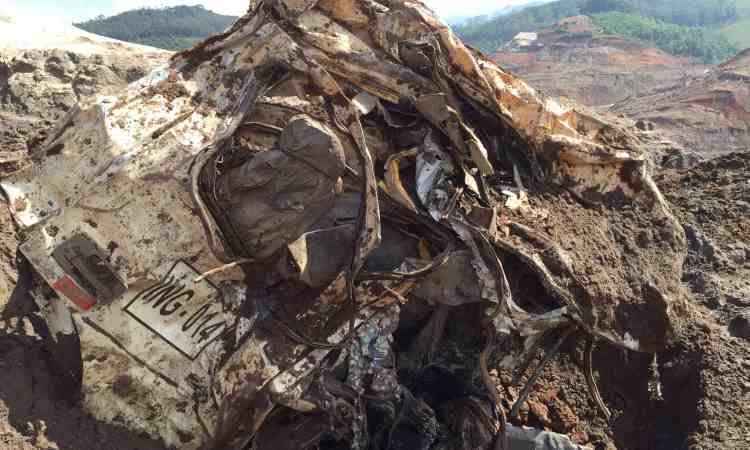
[710,30]
[173,28]
[489,35]
[738,32]
[704,43]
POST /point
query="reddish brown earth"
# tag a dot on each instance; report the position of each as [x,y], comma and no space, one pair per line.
[578,62]
[712,200]
[692,111]
[704,375]
[706,115]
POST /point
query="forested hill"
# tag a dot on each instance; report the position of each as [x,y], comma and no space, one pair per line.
[696,28]
[173,28]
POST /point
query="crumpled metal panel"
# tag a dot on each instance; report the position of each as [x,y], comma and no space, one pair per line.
[122,175]
[117,175]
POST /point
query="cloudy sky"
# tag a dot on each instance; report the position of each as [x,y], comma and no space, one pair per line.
[87,9]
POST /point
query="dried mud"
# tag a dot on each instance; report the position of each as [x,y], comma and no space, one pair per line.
[704,375]
[712,201]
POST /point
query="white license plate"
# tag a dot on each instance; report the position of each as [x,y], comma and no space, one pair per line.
[187,315]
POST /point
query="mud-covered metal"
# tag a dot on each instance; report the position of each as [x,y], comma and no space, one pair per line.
[444,159]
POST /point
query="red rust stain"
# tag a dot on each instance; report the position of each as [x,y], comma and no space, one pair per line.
[70,289]
[19,205]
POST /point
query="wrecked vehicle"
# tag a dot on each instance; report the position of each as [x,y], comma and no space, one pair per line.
[262,243]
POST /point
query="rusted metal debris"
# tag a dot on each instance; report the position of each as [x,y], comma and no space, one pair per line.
[359,176]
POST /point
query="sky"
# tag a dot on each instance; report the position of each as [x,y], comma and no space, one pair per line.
[76,10]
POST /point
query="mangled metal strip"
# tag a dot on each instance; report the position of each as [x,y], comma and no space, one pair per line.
[547,279]
[248,375]
[445,118]
[330,37]
[238,34]
[382,79]
[462,135]
[490,290]
[350,12]
[335,48]
[393,182]
[543,122]
[369,219]
[292,9]
[335,40]
[493,279]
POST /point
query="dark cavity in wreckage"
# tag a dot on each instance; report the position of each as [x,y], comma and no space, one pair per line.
[325,227]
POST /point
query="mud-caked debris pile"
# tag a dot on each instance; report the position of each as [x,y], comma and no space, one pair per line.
[331,227]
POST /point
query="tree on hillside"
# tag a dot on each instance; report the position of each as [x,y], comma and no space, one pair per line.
[173,28]
[697,42]
[601,6]
[489,35]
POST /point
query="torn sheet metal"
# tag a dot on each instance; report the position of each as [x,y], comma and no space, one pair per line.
[433,170]
[122,217]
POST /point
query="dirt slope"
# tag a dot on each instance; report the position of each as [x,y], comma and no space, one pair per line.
[694,111]
[707,114]
[574,60]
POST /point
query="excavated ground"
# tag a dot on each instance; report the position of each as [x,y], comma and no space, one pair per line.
[704,110]
[575,60]
[712,200]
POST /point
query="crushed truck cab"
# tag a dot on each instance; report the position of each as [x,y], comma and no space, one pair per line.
[270,233]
